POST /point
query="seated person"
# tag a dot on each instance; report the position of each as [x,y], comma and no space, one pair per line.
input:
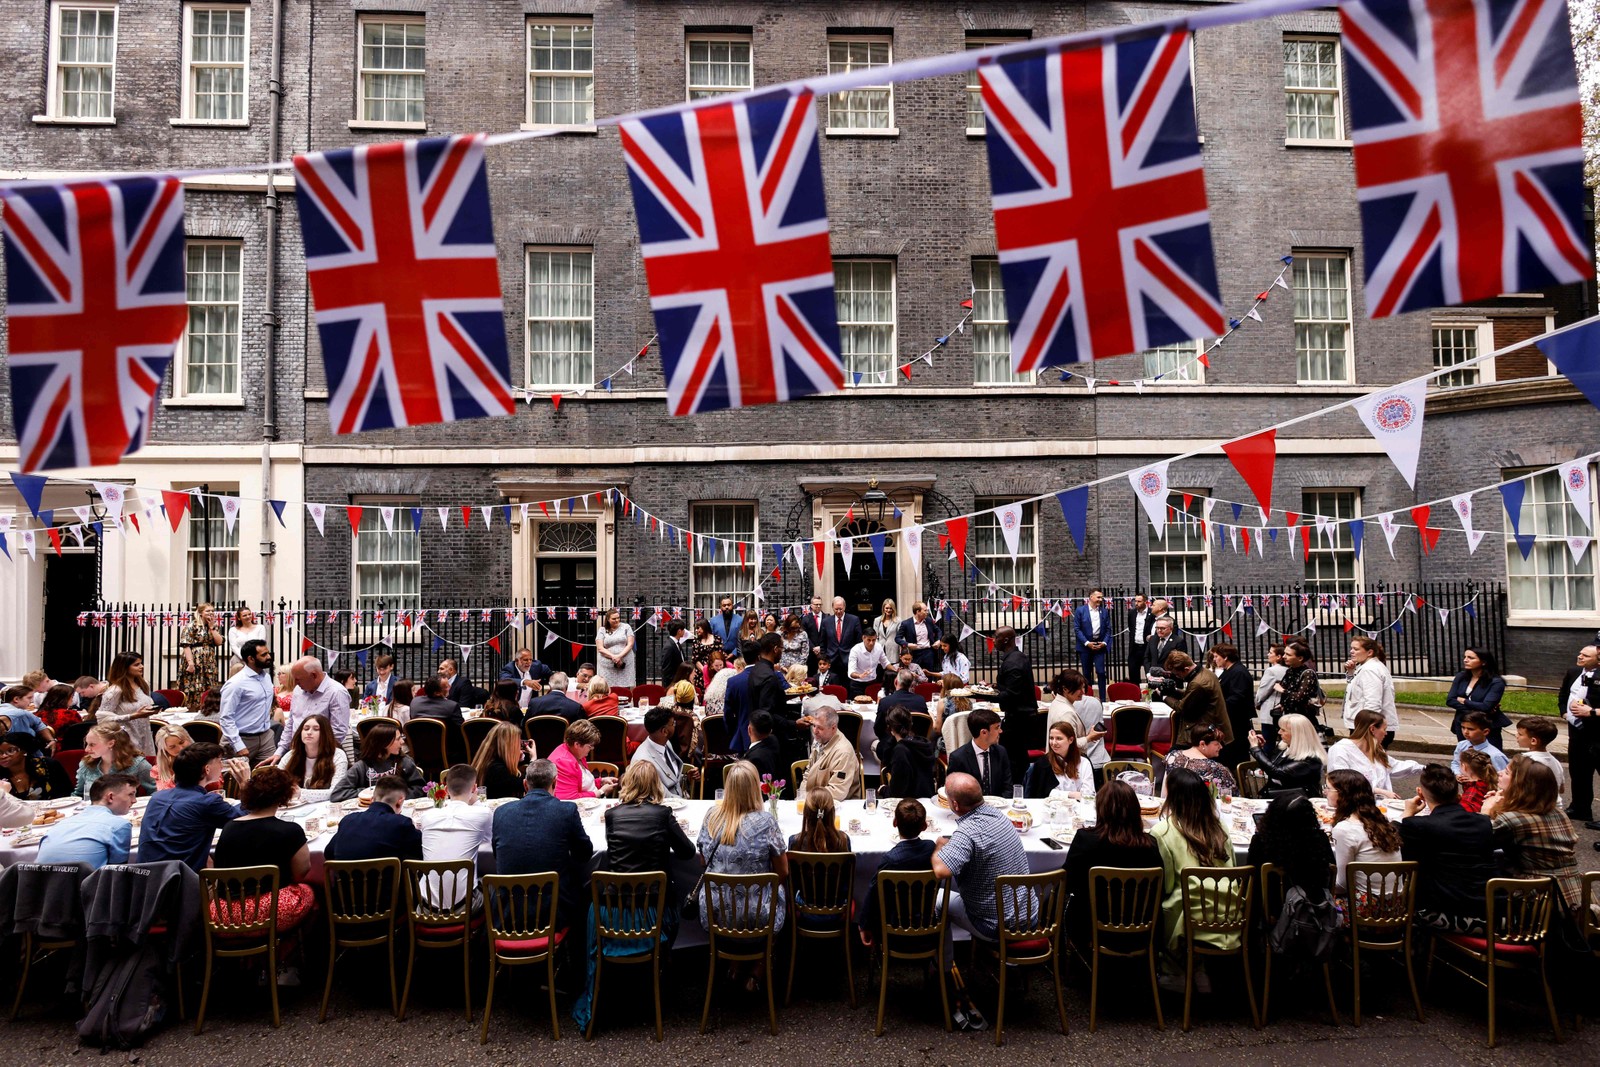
[18,707]
[1291,839]
[500,760]
[99,834]
[903,697]
[555,701]
[1062,767]
[828,674]
[57,710]
[835,766]
[179,822]
[578,688]
[601,700]
[1117,839]
[911,853]
[657,749]
[817,830]
[983,757]
[1205,745]
[571,759]
[258,838]
[539,833]
[764,750]
[458,829]
[378,831]
[1454,849]
[381,754]
[907,760]
[433,704]
[1476,773]
[109,750]
[314,760]
[905,665]
[502,705]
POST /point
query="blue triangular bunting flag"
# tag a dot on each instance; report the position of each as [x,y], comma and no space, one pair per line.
[416,520]
[47,516]
[31,486]
[1357,529]
[277,509]
[1576,354]
[1524,543]
[1511,495]
[1075,510]
[877,541]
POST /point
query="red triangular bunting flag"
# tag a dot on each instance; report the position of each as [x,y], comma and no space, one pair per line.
[741,553]
[577,649]
[466,514]
[1188,499]
[1017,601]
[1420,601]
[494,642]
[1262,295]
[944,542]
[306,644]
[405,619]
[55,538]
[1429,536]
[1254,458]
[1305,539]
[958,539]
[906,370]
[176,504]
[1227,630]
[822,554]
[989,643]
[850,515]
[1348,626]
[355,519]
[1293,517]
[966,303]
[1204,360]
[555,399]
[135,520]
[1244,534]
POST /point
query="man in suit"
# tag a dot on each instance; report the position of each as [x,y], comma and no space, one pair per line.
[1454,848]
[527,672]
[902,697]
[765,690]
[538,834]
[556,701]
[920,634]
[1579,703]
[983,757]
[455,682]
[1238,693]
[383,685]
[675,652]
[1140,621]
[736,700]
[811,622]
[840,632]
[379,831]
[433,704]
[764,750]
[725,625]
[1016,698]
[1164,641]
[1091,624]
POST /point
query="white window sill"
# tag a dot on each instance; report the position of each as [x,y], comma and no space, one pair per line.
[314,394]
[1029,384]
[566,391]
[893,131]
[62,120]
[976,131]
[532,126]
[1317,142]
[1578,620]
[362,124]
[864,384]
[229,124]
[1324,385]
[203,401]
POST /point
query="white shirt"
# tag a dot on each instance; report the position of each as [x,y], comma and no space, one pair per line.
[1136,631]
[1083,783]
[1094,622]
[1555,768]
[1371,688]
[456,831]
[341,763]
[957,665]
[1346,755]
[1352,845]
[864,665]
[1580,690]
[237,638]
[524,691]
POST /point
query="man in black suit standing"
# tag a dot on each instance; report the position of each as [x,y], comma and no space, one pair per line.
[1239,694]
[1016,697]
[764,751]
[765,689]
[1165,639]
[920,634]
[1579,703]
[841,632]
[983,757]
[811,622]
[1140,622]
[675,653]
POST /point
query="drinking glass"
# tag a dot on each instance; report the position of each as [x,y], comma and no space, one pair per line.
[871,803]
[1016,793]
[719,796]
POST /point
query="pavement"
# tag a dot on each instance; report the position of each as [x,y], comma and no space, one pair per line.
[1424,728]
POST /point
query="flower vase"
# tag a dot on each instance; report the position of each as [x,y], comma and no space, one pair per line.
[772,804]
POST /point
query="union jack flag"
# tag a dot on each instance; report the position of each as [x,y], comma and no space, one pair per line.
[1099,201]
[733,228]
[95,307]
[401,259]
[1469,165]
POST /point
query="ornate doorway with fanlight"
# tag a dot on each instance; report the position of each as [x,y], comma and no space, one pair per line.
[566,572]
[863,583]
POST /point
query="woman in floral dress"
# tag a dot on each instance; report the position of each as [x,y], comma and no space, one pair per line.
[198,644]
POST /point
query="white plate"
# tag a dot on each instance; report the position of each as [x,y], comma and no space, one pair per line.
[676,803]
[60,803]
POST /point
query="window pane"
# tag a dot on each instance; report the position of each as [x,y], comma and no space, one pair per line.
[1178,558]
[1331,567]
[1322,318]
[1311,88]
[865,108]
[207,527]
[1452,345]
[560,318]
[715,569]
[388,563]
[211,354]
[392,47]
[718,66]
[561,74]
[991,337]
[864,292]
[1549,580]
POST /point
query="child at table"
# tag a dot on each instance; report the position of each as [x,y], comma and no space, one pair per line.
[1534,735]
[912,852]
[1477,777]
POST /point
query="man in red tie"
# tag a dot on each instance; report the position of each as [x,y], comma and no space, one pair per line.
[841,632]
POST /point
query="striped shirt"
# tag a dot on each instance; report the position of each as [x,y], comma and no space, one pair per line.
[984,846]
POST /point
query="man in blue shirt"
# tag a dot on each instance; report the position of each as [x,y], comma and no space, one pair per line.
[539,833]
[99,834]
[726,625]
[19,709]
[380,832]
[180,822]
[247,702]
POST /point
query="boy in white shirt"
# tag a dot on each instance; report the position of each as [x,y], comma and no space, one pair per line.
[1534,734]
[455,831]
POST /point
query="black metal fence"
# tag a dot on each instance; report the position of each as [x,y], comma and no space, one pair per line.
[1420,641]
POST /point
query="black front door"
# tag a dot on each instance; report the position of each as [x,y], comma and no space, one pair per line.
[563,583]
[863,585]
[70,650]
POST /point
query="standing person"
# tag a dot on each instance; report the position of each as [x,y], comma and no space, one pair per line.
[811,622]
[1478,687]
[248,703]
[1019,704]
[796,645]
[1091,626]
[108,750]
[382,684]
[887,627]
[1370,687]
[1202,703]
[1299,693]
[726,624]
[314,762]
[675,651]
[245,628]
[702,646]
[614,647]
[1578,701]
[841,632]
[198,644]
[1267,691]
[951,661]
[1238,694]
[1140,622]
[866,662]
[921,635]
[765,692]
[1190,834]
[1475,737]
[316,693]
[126,700]
[1165,639]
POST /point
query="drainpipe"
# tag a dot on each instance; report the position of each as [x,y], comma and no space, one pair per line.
[269,406]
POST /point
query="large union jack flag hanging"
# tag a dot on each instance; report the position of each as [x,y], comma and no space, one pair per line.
[400,254]
[1469,165]
[733,227]
[1099,201]
[95,307]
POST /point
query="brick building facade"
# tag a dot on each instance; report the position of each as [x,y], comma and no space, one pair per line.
[909,206]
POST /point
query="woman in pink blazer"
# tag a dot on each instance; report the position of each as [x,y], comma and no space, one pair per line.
[571,758]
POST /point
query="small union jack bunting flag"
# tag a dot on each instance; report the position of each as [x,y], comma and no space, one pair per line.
[94,309]
[400,255]
[733,228]
[1468,148]
[1100,211]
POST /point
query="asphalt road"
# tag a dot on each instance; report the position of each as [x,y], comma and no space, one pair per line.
[820,1027]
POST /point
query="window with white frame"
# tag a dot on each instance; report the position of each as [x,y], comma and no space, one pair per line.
[1457,342]
[864,295]
[560,317]
[216,56]
[83,59]
[1180,560]
[1332,566]
[1322,317]
[974,87]
[392,66]
[1311,89]
[1549,581]
[387,559]
[991,553]
[714,569]
[991,337]
[213,555]
[561,72]
[210,347]
[1175,363]
[867,107]
[718,65]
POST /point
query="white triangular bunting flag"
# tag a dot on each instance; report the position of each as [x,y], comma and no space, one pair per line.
[230,512]
[550,636]
[1200,641]
[1578,546]
[966,631]
[1311,628]
[1575,476]
[1474,539]
[444,518]
[758,571]
[1386,521]
[114,496]
[1280,283]
[333,657]
[317,512]
[1261,541]
[29,543]
[1150,487]
[911,537]
[847,549]
[1462,505]
[1233,538]
[487,511]
[1394,418]
[1010,520]
[466,652]
[1262,628]
[799,553]
[85,515]
[387,514]
[1444,615]
[77,533]
[1206,505]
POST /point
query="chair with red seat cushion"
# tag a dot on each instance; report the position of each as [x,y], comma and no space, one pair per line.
[873,690]
[648,694]
[926,690]
[627,919]
[439,905]
[1130,732]
[613,744]
[1123,691]
[239,912]
[1515,940]
[838,692]
[522,930]
[70,759]
[173,697]
[821,897]
[1030,908]
[362,897]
